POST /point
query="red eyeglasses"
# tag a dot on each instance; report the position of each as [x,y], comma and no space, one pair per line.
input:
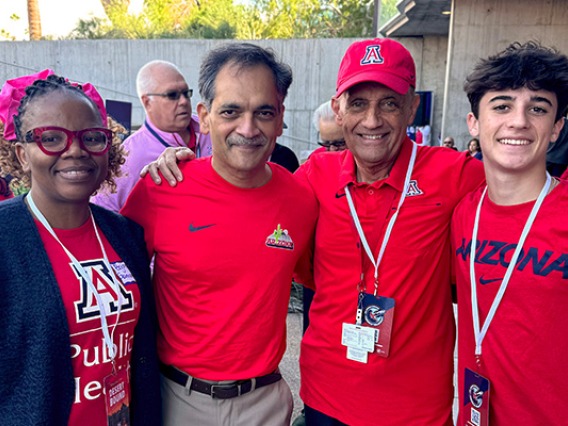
[56,140]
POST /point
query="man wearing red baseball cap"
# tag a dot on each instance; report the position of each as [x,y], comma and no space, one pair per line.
[379,348]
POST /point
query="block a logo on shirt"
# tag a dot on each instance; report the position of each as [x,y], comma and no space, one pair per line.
[86,308]
[413,189]
[280,239]
[372,55]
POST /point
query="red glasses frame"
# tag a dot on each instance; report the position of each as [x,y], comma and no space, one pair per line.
[35,135]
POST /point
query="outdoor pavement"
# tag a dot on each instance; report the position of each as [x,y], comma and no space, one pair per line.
[289,365]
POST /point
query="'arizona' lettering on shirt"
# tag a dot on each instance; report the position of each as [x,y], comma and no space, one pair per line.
[499,253]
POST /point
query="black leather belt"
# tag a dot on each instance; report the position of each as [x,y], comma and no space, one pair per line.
[220,391]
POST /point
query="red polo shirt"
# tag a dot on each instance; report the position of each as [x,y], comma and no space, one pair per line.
[414,384]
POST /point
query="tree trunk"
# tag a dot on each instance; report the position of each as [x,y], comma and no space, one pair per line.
[34,20]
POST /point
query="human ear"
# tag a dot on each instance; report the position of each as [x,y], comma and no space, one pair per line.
[413,108]
[336,107]
[203,115]
[145,101]
[22,156]
[557,128]
[281,119]
[473,125]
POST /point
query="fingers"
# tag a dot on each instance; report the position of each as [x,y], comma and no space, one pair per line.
[153,169]
[166,164]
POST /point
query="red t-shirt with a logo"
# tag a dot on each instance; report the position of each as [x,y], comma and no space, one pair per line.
[223,267]
[88,352]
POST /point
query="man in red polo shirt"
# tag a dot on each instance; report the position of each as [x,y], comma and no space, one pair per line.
[380,343]
[379,348]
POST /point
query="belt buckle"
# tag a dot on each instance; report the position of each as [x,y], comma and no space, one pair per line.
[225,387]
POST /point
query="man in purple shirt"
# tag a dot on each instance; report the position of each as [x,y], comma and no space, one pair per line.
[166,98]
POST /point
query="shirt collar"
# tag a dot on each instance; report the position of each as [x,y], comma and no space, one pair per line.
[174,138]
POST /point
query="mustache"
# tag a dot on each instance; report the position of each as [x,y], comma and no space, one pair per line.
[239,140]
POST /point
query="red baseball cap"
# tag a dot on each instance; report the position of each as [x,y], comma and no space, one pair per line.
[381,60]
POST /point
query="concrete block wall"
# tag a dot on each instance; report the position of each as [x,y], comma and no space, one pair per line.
[111,65]
[484,27]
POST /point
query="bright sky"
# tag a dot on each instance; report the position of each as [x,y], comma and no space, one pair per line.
[58,17]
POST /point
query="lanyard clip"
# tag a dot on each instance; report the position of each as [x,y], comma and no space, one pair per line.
[359,315]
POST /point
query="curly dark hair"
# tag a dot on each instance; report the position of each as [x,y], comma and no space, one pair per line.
[529,65]
[9,164]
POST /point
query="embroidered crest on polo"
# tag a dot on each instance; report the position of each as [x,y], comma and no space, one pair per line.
[372,55]
[413,189]
[280,239]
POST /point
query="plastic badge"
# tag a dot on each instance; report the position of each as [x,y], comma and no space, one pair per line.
[475,399]
[117,398]
[378,313]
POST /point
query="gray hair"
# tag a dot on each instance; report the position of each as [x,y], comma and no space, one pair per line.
[242,55]
[323,113]
[145,76]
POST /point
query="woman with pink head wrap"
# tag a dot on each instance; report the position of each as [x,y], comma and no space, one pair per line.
[78,340]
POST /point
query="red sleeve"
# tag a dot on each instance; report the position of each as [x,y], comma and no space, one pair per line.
[140,208]
[304,271]
[471,177]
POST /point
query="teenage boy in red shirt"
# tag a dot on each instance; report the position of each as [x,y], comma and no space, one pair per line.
[512,294]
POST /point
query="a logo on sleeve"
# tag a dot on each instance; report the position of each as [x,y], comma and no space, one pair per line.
[87,307]
[280,239]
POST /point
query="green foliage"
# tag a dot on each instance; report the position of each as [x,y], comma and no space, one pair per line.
[227,19]
[215,19]
[352,18]
[388,10]
[6,35]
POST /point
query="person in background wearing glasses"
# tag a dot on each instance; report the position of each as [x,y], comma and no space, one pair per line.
[166,98]
[449,143]
[76,303]
[330,134]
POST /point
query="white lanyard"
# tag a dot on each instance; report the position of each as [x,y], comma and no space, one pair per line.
[480,335]
[386,238]
[108,336]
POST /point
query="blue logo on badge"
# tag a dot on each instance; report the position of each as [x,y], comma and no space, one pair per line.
[374,315]
[475,395]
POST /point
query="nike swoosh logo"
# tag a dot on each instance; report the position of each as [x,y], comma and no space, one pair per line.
[199,228]
[484,281]
[339,195]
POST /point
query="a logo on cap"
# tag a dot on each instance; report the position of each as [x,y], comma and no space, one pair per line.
[372,55]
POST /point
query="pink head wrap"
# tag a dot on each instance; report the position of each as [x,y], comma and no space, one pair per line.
[14,90]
